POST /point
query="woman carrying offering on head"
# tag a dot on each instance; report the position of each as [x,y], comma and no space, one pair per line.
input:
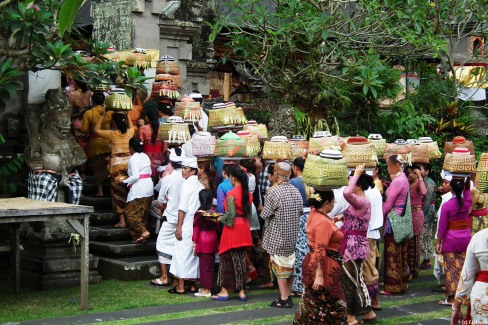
[323,301]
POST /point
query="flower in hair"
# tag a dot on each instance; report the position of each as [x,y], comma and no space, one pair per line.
[316,197]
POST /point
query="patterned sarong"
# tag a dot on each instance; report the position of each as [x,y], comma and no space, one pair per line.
[233,269]
[136,215]
[281,267]
[453,264]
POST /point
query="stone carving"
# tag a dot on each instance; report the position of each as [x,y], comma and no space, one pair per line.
[51,145]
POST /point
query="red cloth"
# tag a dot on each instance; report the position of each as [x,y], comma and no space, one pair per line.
[239,235]
[457,224]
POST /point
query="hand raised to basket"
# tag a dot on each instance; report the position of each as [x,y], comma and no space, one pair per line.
[359,170]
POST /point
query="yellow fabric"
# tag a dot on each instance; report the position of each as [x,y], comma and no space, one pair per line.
[472,77]
[97,145]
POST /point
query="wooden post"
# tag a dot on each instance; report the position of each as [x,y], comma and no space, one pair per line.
[85,261]
[16,281]
[227,85]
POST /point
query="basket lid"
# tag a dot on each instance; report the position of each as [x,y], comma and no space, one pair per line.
[400,141]
[375,136]
[459,140]
[298,137]
[331,154]
[230,136]
[166,58]
[186,99]
[425,139]
[252,122]
[243,133]
[279,138]
[218,105]
[175,119]
[357,140]
[322,134]
[412,141]
[164,77]
[461,151]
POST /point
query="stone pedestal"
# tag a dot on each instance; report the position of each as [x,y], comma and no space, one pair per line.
[50,262]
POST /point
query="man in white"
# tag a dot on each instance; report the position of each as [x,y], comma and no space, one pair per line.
[370,273]
[169,194]
[203,123]
[184,264]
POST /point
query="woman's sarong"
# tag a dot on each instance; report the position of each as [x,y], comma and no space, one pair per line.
[326,305]
[357,296]
[118,170]
[395,267]
[136,215]
[453,264]
[233,269]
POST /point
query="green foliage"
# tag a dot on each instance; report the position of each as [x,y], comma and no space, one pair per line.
[10,182]
[404,121]
[67,14]
[259,116]
[32,40]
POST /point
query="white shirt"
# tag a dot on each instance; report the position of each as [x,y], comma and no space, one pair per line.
[340,205]
[203,123]
[376,221]
[251,183]
[139,164]
[444,198]
[189,201]
[170,194]
[187,148]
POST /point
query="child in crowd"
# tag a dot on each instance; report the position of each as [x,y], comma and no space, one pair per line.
[205,243]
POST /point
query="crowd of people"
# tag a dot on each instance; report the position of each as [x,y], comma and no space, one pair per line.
[256,218]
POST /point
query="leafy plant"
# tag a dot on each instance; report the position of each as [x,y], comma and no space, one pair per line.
[10,183]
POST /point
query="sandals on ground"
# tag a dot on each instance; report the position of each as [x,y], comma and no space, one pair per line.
[176,292]
[279,303]
[142,240]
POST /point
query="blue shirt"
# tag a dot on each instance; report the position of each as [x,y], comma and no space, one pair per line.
[222,190]
[297,182]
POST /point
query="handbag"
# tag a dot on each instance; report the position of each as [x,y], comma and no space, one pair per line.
[401,225]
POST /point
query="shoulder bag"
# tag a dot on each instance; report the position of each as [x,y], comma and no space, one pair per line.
[401,225]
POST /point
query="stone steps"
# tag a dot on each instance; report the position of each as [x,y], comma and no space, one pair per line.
[108,233]
[130,268]
[99,203]
[122,248]
[103,217]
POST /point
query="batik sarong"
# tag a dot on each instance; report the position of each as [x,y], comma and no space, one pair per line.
[453,265]
[233,269]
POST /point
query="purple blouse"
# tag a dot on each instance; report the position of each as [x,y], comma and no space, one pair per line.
[356,219]
[417,193]
[396,195]
[455,240]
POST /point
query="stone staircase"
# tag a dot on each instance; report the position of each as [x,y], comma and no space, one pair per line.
[118,257]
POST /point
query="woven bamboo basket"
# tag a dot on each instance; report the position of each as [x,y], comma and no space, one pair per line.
[420,153]
[164,89]
[188,109]
[324,143]
[234,147]
[140,60]
[356,154]
[277,150]
[253,146]
[459,164]
[323,172]
[258,129]
[118,102]
[398,149]
[203,144]
[220,117]
[299,148]
[174,132]
[240,118]
[379,145]
[458,141]
[170,67]
[176,78]
[482,173]
[163,77]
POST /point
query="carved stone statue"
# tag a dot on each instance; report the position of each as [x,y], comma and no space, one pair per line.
[52,149]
